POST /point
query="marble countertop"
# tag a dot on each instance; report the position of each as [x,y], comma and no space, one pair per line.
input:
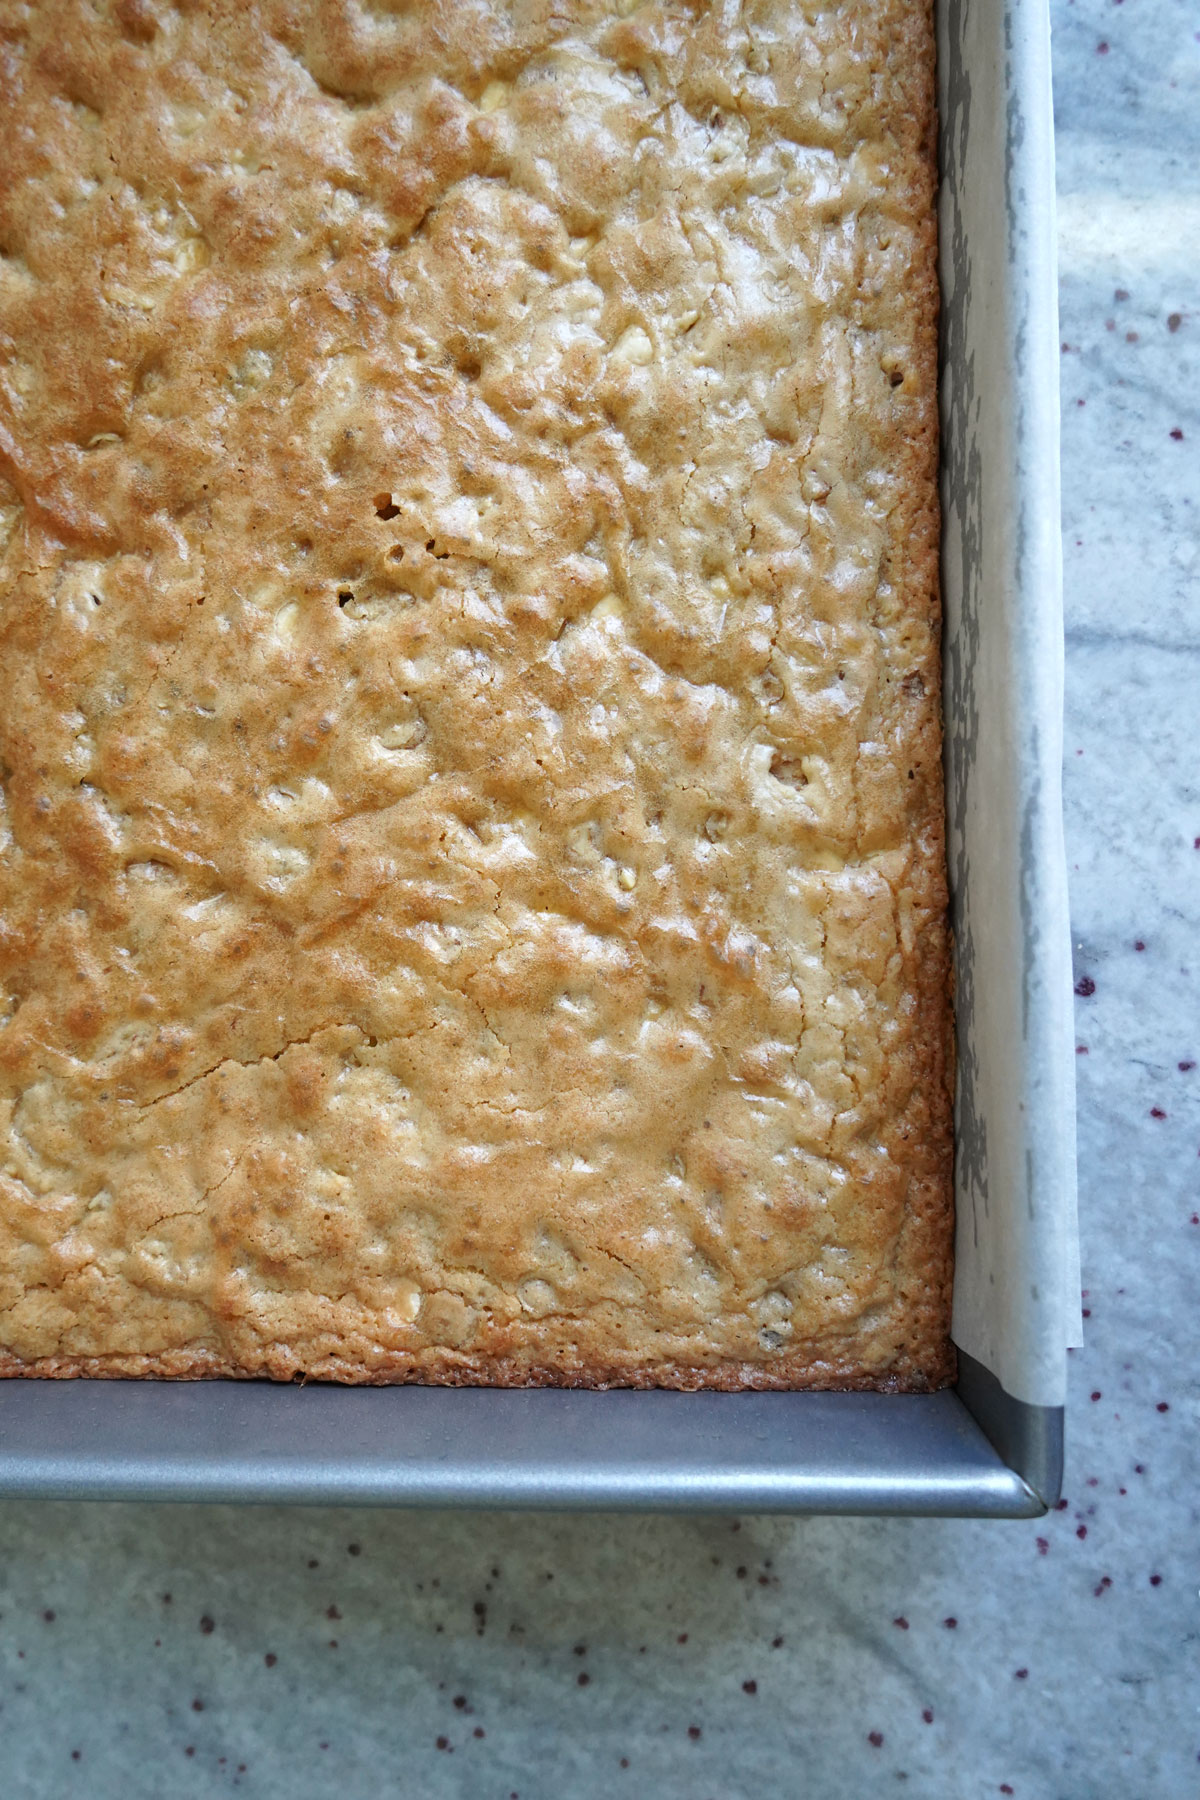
[151,1651]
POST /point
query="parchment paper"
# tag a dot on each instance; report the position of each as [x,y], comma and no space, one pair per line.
[1016,1294]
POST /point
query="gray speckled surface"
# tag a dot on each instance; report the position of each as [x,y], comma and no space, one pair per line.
[1057,1659]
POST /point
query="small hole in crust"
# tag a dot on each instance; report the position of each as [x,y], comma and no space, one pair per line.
[897,377]
[345,595]
[385,507]
[788,770]
[397,552]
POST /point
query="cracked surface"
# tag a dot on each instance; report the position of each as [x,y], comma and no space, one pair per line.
[471,879]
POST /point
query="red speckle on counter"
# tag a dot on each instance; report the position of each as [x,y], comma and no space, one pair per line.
[331,1612]
[1139,1468]
[270,1659]
[443,1743]
[1021,1674]
[1004,1787]
[693,1732]
[950,1624]
[479,1732]
[1062,1505]
[1081,1532]
[1162,1407]
[583,1679]
[1156,1581]
[1110,324]
[901,1623]
[1087,1312]
[749,1687]
[876,1738]
[207,1625]
[1081,1050]
[1101,50]
[1043,1546]
[354,1549]
[1085,987]
[1139,943]
[1186,1067]
[682,1638]
[1176,434]
[1120,293]
[1156,1112]
[777,1643]
[197,1706]
[1102,1586]
[1174,321]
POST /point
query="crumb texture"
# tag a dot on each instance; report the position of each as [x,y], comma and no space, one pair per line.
[472,896]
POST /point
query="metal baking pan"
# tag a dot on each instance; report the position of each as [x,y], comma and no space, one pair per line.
[993,1446]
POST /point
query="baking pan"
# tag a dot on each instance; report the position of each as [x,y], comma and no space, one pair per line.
[993,1446]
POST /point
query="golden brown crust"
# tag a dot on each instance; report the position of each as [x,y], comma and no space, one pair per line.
[472,892]
[784,1373]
